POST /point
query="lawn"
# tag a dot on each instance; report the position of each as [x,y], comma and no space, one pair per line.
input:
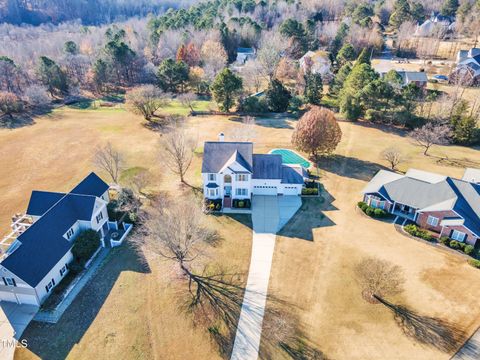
[129,310]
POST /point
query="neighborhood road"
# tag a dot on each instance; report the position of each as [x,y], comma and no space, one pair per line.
[470,350]
[269,215]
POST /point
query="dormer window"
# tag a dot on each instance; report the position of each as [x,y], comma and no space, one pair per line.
[241,177]
[99,217]
[70,233]
[212,177]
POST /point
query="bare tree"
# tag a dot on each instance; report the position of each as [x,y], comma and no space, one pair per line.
[431,134]
[393,156]
[378,278]
[145,100]
[37,95]
[140,181]
[109,160]
[272,48]
[188,99]
[178,148]
[214,58]
[252,75]
[245,131]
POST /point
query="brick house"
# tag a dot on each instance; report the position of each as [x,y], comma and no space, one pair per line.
[447,206]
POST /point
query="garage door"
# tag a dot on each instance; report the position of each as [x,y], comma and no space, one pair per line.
[27,299]
[8,296]
[265,190]
[290,190]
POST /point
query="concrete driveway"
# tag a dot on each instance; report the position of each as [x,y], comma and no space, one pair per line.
[269,215]
[14,318]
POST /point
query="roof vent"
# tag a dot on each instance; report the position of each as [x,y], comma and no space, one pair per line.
[221,137]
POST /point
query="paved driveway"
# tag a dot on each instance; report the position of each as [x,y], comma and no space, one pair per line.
[470,350]
[269,214]
[14,319]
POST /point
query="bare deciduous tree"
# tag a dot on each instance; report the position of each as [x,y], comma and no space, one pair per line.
[272,46]
[431,134]
[145,100]
[188,99]
[109,160]
[378,278]
[140,181]
[393,156]
[178,148]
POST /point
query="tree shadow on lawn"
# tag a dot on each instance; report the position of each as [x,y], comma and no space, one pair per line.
[309,217]
[350,167]
[390,129]
[276,121]
[55,341]
[427,330]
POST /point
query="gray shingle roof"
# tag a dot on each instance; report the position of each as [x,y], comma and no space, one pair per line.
[267,166]
[293,175]
[217,153]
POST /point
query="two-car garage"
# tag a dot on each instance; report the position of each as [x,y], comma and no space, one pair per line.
[264,190]
[28,299]
[282,189]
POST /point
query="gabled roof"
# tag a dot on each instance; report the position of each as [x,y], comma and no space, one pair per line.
[293,174]
[42,245]
[267,166]
[216,155]
[41,201]
[91,185]
[236,159]
[430,192]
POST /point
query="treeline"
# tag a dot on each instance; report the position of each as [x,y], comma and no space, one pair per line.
[90,12]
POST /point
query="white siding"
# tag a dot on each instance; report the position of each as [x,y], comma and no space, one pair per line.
[290,189]
[54,273]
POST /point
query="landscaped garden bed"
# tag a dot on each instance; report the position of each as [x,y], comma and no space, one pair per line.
[312,188]
[242,203]
[212,204]
[371,211]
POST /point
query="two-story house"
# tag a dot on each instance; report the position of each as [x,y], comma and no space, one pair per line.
[447,206]
[230,171]
[38,258]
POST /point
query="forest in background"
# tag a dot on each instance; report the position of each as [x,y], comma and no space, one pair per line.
[88,12]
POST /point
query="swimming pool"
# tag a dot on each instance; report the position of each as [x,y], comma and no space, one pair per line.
[291,157]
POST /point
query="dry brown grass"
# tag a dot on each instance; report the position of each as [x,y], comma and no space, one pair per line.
[136,317]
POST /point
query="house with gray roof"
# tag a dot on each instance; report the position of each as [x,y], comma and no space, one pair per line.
[444,205]
[230,170]
[38,258]
[418,78]
[467,70]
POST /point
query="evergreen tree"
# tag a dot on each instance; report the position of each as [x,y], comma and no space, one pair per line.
[400,14]
[70,47]
[346,54]
[52,76]
[313,88]
[278,97]
[172,75]
[337,83]
[225,87]
[364,57]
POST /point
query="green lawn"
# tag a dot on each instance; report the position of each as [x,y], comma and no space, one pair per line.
[174,107]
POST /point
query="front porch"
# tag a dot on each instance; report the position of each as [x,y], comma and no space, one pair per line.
[404,211]
[115,234]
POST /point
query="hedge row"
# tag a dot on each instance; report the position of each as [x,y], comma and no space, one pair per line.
[414,230]
[213,204]
[371,211]
[310,191]
[475,263]
[244,203]
[457,245]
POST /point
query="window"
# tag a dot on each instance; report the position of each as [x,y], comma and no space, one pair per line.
[458,235]
[377,204]
[241,177]
[49,286]
[63,270]
[432,220]
[99,217]
[212,192]
[212,177]
[9,281]
[241,192]
[69,233]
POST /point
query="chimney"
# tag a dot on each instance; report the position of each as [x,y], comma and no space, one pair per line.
[221,137]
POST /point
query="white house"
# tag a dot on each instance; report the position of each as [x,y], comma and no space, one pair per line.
[317,62]
[231,171]
[38,258]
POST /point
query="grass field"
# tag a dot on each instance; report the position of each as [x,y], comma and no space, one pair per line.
[129,311]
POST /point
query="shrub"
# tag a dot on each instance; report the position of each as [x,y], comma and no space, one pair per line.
[454,244]
[474,263]
[370,211]
[310,191]
[445,240]
[84,246]
[241,204]
[213,204]
[253,104]
[379,213]
[420,233]
[468,249]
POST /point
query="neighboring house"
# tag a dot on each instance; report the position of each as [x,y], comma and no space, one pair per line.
[318,62]
[447,206]
[418,78]
[436,26]
[38,258]
[230,171]
[467,71]
[245,54]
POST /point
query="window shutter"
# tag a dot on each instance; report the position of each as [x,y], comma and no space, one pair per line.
[465,237]
[14,282]
[53,281]
[5,281]
[46,288]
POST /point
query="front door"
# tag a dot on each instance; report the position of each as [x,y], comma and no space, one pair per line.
[228,190]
